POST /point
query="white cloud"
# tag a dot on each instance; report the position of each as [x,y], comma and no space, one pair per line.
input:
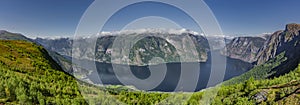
[149,30]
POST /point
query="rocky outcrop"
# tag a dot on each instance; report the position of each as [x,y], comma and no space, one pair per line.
[244,48]
[286,42]
[258,50]
[261,96]
[281,41]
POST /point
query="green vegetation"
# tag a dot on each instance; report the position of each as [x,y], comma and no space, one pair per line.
[259,72]
[284,90]
[30,76]
[281,90]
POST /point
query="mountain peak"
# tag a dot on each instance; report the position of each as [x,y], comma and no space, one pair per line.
[293,27]
[6,35]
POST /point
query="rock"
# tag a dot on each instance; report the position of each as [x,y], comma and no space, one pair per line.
[143,51]
[260,97]
[286,42]
[244,48]
[281,41]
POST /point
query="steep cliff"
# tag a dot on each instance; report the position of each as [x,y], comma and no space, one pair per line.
[244,48]
[281,41]
[142,51]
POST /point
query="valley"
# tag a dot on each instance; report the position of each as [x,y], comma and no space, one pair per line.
[258,71]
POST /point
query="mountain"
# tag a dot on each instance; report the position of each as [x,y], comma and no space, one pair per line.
[30,76]
[275,78]
[218,42]
[62,61]
[62,46]
[280,41]
[5,35]
[282,90]
[244,48]
[142,52]
[286,41]
[278,55]
[259,50]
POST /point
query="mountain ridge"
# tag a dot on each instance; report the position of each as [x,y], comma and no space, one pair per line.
[243,48]
[164,48]
[281,56]
[278,56]
[281,41]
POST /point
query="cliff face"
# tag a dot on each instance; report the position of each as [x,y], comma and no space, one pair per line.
[62,46]
[281,41]
[145,49]
[244,48]
[142,52]
[261,49]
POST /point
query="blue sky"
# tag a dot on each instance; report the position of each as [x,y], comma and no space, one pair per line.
[60,17]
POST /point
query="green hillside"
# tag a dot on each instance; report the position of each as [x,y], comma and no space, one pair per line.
[283,90]
[30,76]
[262,71]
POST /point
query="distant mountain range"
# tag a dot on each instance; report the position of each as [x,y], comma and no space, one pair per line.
[273,74]
[255,49]
[142,52]
[61,51]
[64,62]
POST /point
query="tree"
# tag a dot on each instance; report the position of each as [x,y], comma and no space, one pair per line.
[250,85]
[2,90]
[21,94]
[41,98]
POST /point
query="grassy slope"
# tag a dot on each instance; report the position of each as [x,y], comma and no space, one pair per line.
[28,75]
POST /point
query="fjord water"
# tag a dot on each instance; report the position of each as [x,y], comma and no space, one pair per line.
[105,73]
